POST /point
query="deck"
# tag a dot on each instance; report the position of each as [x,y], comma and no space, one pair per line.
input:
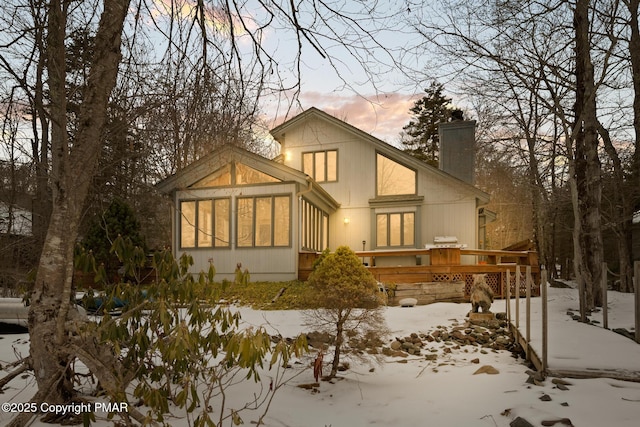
[446,265]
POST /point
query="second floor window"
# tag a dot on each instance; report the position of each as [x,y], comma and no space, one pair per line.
[393,178]
[322,166]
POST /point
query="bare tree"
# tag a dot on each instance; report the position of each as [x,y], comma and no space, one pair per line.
[549,77]
[22,64]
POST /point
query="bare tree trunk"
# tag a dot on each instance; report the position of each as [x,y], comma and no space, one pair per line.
[338,344]
[634,55]
[588,248]
[621,213]
[73,166]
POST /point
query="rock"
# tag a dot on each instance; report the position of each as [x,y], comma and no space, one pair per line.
[520,422]
[431,357]
[545,398]
[309,386]
[396,345]
[319,339]
[624,333]
[407,345]
[393,353]
[535,377]
[560,381]
[563,421]
[475,361]
[481,318]
[408,302]
[486,369]
[459,335]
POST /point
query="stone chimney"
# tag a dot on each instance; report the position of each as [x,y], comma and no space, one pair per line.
[457,149]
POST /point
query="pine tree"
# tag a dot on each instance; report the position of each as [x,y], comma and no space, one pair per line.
[420,138]
[346,300]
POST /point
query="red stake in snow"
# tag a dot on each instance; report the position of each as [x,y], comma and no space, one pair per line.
[317,366]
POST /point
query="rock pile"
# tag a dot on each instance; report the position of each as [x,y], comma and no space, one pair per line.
[493,335]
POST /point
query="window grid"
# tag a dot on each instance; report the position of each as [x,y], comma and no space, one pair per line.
[204,223]
[395,229]
[322,166]
[263,221]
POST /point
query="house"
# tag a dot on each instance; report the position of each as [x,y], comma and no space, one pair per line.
[331,185]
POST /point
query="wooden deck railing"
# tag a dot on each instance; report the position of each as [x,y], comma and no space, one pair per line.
[445,265]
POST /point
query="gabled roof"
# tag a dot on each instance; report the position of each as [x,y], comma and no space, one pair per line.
[229,153]
[279,132]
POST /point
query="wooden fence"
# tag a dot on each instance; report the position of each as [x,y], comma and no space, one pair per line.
[540,361]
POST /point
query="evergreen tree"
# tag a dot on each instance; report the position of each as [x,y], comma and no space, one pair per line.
[118,220]
[345,300]
[420,137]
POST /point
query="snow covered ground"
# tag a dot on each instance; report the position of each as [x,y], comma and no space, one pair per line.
[443,392]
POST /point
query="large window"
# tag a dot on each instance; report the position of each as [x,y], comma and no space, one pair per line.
[393,179]
[204,223]
[234,174]
[264,221]
[314,234]
[395,229]
[322,166]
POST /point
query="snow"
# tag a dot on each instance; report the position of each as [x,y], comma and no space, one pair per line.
[444,392]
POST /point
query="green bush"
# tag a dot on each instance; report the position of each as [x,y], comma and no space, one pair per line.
[174,343]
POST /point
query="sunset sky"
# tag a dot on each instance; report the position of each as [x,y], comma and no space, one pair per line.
[356,76]
[382,115]
[378,103]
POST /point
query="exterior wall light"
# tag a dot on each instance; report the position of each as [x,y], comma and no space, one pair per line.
[347,221]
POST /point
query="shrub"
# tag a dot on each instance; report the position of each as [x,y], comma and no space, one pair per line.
[345,298]
[176,344]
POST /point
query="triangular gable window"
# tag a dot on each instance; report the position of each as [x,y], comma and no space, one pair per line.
[234,174]
[249,175]
[219,178]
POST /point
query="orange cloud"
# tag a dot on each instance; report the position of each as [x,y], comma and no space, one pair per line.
[215,17]
[383,115]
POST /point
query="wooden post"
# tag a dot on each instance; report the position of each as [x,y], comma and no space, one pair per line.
[636,280]
[508,279]
[517,297]
[605,308]
[545,318]
[528,282]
